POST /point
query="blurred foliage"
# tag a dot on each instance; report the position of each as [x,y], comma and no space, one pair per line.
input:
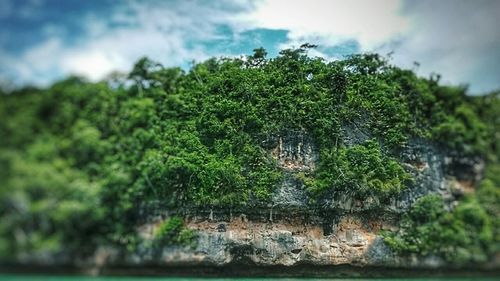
[468,233]
[80,160]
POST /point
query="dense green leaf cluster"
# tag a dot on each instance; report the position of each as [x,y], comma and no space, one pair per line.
[173,232]
[80,160]
[468,233]
[359,171]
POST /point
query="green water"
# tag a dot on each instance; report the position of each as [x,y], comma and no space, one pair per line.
[80,278]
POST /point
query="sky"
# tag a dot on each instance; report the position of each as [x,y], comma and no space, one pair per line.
[42,41]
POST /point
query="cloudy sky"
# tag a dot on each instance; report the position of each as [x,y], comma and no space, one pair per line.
[45,40]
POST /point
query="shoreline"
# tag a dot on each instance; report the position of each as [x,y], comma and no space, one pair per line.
[242,270]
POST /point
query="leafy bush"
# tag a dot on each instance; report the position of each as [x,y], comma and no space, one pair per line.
[460,236]
[172,232]
[359,171]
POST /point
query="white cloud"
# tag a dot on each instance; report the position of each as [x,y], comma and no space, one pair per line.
[52,60]
[159,30]
[371,23]
[458,39]
[35,66]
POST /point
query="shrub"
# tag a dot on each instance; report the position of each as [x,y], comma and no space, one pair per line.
[173,232]
[360,171]
[460,236]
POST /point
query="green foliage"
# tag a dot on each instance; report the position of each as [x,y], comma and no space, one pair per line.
[360,171]
[488,195]
[463,235]
[46,206]
[488,110]
[462,129]
[173,232]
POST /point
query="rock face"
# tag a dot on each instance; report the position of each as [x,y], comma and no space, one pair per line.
[285,242]
[295,152]
[292,231]
[287,239]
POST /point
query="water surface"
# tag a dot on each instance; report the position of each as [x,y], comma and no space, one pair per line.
[87,278]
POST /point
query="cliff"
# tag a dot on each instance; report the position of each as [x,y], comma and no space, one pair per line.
[291,230]
[292,163]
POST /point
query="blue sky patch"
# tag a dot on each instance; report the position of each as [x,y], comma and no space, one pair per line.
[244,43]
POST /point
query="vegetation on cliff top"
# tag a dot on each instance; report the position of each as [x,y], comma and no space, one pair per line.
[79,159]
